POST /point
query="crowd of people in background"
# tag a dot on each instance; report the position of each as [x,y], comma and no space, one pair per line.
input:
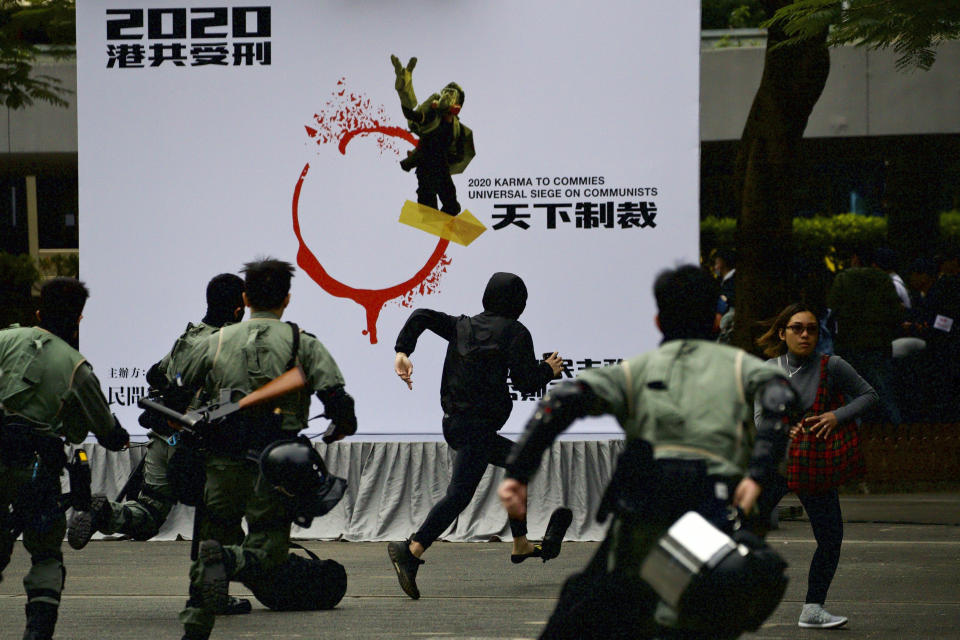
[896,326]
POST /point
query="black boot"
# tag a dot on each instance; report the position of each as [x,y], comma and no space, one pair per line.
[214,576]
[41,619]
[236,607]
[83,524]
[193,633]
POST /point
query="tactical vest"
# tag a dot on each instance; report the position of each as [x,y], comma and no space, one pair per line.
[249,355]
[36,376]
[698,411]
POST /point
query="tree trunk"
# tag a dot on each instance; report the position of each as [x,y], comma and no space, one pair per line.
[911,197]
[764,176]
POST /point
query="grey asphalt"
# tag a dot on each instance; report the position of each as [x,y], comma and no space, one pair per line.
[899,577]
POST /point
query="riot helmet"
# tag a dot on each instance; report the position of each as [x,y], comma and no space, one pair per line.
[296,470]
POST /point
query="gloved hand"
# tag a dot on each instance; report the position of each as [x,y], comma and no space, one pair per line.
[116,439]
[339,407]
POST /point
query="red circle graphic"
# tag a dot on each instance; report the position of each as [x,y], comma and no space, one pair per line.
[372,300]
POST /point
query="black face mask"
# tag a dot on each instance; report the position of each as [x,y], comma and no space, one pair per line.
[219,317]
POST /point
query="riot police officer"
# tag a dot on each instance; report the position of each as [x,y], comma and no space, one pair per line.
[686,409]
[163,473]
[47,392]
[243,357]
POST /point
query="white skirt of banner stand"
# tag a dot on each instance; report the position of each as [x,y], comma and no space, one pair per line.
[393,485]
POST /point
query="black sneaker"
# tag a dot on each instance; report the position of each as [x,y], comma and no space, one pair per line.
[236,607]
[213,576]
[406,565]
[83,524]
[556,529]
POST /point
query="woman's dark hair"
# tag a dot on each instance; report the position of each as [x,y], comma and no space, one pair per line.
[770,341]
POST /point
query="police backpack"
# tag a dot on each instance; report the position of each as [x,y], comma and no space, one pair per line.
[301,584]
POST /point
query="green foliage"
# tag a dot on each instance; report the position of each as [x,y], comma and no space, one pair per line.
[842,231]
[23,26]
[950,228]
[912,28]
[745,17]
[827,238]
[716,233]
[61,264]
[731,14]
[18,274]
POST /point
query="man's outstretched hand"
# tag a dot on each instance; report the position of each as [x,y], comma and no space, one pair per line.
[555,362]
[404,368]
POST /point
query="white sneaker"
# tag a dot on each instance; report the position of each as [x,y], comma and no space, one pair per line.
[814,616]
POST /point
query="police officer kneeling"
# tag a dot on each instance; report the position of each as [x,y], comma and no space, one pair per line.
[47,392]
[244,357]
[669,567]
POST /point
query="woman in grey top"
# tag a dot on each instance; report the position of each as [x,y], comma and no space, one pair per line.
[833,395]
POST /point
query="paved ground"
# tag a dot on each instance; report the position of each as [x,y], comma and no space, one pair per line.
[899,578]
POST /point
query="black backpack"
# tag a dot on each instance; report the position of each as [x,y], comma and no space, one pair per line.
[301,584]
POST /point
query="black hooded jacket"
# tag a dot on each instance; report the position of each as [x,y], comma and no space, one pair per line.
[482,351]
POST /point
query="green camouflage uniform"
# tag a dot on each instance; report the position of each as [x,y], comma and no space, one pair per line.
[244,357]
[704,412]
[690,399]
[142,518]
[48,382]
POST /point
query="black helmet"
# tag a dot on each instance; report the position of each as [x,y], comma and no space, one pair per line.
[295,469]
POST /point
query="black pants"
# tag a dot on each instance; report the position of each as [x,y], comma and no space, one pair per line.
[827,523]
[434,180]
[476,446]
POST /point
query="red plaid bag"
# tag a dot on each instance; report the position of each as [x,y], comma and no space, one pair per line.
[816,465]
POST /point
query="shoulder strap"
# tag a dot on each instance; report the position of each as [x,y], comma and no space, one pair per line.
[312,555]
[296,346]
[629,376]
[738,372]
[824,362]
[822,400]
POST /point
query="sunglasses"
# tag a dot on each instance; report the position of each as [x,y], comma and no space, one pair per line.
[798,329]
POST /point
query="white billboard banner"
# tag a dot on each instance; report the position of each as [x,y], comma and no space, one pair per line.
[211,133]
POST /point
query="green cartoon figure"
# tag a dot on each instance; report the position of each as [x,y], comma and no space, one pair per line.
[446,145]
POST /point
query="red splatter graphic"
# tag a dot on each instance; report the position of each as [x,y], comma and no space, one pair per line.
[345,117]
[352,113]
[430,284]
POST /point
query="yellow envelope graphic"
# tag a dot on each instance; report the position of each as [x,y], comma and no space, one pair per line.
[462,229]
